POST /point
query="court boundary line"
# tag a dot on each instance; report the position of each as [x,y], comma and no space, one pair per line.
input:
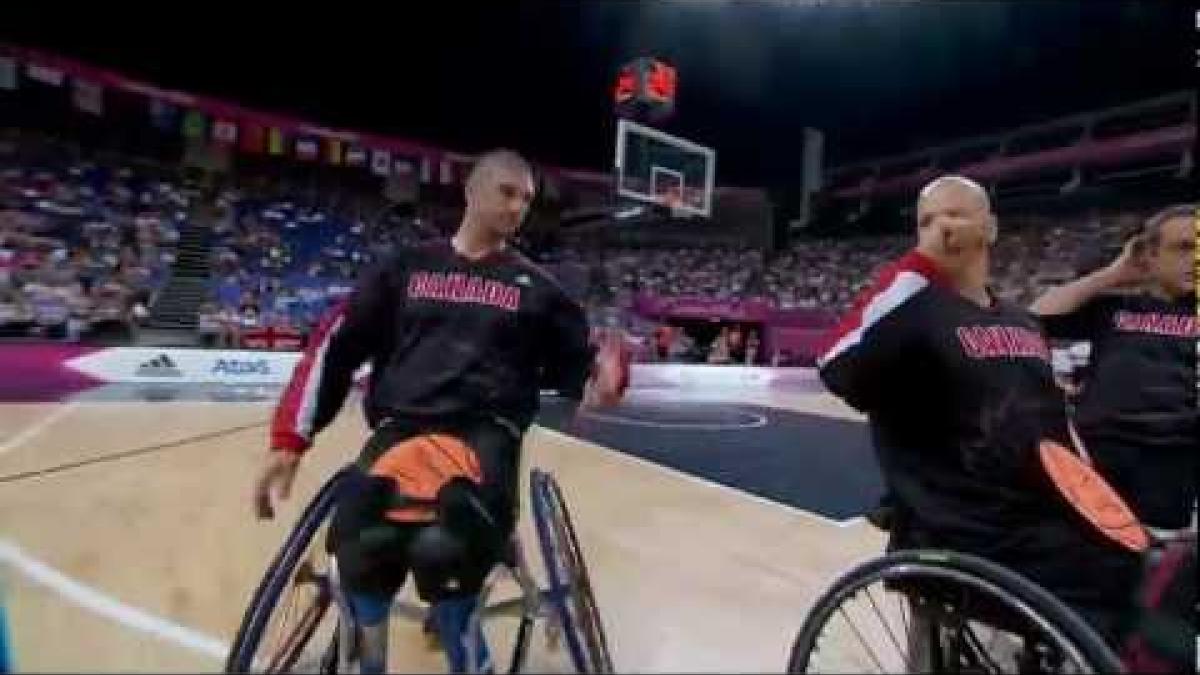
[105,605]
[35,429]
[842,524]
[759,420]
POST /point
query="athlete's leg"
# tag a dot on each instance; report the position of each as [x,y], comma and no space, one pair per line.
[451,618]
[372,566]
[371,611]
[450,562]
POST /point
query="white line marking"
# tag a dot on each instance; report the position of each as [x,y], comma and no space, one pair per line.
[756,420]
[38,427]
[712,484]
[109,607]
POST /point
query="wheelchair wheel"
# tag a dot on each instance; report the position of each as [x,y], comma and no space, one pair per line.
[570,590]
[935,611]
[291,624]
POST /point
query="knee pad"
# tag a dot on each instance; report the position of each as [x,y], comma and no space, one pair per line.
[360,507]
[461,510]
[442,565]
[452,557]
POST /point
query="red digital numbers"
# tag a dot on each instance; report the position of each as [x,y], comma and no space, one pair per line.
[661,82]
[626,86]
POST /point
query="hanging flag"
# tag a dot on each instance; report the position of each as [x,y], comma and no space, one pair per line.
[254,138]
[403,167]
[275,141]
[194,124]
[445,173]
[163,115]
[8,73]
[307,149]
[334,151]
[426,170]
[356,155]
[225,132]
[381,162]
[45,74]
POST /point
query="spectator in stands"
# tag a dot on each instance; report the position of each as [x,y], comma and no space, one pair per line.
[249,317]
[209,327]
[231,327]
[111,317]
[8,260]
[736,344]
[753,347]
[16,317]
[718,353]
[79,313]
[663,336]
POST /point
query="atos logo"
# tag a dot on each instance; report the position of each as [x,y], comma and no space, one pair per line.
[239,367]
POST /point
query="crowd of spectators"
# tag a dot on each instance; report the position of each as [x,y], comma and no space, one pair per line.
[84,244]
[282,260]
[1032,254]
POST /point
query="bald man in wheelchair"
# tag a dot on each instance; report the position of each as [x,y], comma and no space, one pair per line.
[960,396]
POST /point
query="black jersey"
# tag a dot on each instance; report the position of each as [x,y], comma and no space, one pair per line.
[957,398]
[1140,382]
[446,338]
[1137,413]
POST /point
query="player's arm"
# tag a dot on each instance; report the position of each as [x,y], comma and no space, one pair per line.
[1073,310]
[592,371]
[320,382]
[876,334]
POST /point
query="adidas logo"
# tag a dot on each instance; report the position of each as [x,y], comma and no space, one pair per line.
[159,366]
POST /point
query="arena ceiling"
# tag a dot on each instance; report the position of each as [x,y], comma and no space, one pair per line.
[878,76]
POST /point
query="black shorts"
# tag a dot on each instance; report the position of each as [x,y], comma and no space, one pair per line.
[372,551]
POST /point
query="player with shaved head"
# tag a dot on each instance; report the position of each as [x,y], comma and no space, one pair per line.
[959,393]
[461,336]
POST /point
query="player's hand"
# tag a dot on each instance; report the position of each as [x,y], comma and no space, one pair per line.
[610,377]
[1130,267]
[276,477]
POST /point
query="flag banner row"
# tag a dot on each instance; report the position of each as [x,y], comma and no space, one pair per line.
[206,119]
[203,119]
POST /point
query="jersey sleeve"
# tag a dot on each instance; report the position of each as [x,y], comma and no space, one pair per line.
[876,334]
[343,341]
[1087,322]
[567,352]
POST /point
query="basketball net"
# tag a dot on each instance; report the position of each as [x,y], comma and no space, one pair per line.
[674,202]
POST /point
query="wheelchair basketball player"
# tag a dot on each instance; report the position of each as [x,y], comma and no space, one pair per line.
[1137,413]
[960,393]
[460,336]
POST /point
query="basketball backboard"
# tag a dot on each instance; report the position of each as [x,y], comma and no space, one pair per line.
[657,168]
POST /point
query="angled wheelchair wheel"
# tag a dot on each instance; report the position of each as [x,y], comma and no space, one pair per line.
[570,591]
[935,611]
[291,624]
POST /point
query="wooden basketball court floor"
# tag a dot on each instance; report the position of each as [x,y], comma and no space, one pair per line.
[146,563]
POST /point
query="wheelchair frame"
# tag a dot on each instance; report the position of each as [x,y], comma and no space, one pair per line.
[533,604]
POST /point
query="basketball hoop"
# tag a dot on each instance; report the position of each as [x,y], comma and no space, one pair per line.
[672,199]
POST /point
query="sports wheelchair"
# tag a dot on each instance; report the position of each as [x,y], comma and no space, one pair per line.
[298,618]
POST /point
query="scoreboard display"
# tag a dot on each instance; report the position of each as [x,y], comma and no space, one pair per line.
[645,89]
